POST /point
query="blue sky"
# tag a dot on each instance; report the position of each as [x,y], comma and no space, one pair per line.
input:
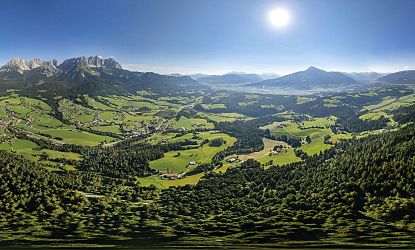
[214,36]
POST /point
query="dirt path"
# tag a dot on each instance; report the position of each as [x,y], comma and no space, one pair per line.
[268,145]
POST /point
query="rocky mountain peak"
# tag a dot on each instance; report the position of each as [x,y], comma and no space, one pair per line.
[16,64]
[89,62]
[21,65]
[314,69]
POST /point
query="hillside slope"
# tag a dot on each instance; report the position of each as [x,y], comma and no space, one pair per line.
[308,79]
[401,77]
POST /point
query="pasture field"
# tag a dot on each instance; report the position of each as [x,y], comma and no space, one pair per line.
[375,115]
[97,105]
[169,137]
[302,99]
[265,155]
[285,157]
[52,154]
[338,137]
[76,113]
[190,123]
[316,129]
[252,97]
[382,105]
[214,106]
[387,104]
[21,147]
[268,146]
[246,103]
[71,135]
[30,150]
[110,128]
[333,102]
[223,117]
[105,114]
[79,137]
[109,116]
[122,102]
[316,146]
[160,183]
[178,161]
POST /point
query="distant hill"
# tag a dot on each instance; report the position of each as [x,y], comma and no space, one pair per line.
[307,79]
[401,77]
[175,75]
[197,76]
[84,75]
[267,76]
[365,77]
[230,78]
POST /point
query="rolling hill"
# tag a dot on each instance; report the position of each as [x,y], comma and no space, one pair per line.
[401,77]
[230,78]
[308,79]
[365,77]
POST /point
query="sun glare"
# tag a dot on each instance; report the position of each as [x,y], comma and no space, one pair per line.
[279,17]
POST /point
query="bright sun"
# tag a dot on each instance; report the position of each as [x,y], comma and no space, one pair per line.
[279,17]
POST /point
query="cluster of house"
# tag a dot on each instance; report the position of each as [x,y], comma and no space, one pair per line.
[96,121]
[170,175]
[133,134]
[198,125]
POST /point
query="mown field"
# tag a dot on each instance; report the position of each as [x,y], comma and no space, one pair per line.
[383,108]
[316,129]
[178,161]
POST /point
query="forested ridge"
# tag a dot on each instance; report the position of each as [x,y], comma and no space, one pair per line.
[359,191]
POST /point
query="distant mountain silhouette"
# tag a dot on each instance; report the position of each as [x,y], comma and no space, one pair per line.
[267,76]
[230,78]
[197,76]
[307,79]
[365,77]
[401,77]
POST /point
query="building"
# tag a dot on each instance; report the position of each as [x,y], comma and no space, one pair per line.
[169,176]
[230,160]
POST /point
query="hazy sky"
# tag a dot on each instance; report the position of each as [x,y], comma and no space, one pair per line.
[214,36]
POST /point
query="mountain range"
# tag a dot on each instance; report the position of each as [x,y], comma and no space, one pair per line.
[91,75]
[317,78]
[96,75]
